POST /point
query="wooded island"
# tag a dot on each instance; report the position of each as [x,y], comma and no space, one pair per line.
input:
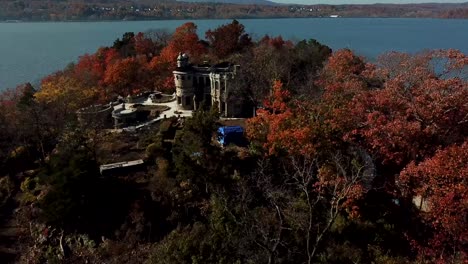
[341,161]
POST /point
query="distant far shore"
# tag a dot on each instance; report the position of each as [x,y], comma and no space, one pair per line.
[195,19]
[118,10]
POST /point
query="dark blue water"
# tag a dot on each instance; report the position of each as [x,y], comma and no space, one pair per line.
[29,51]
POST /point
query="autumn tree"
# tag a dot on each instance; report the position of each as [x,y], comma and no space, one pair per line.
[228,39]
[30,128]
[144,45]
[439,183]
[276,42]
[274,58]
[160,37]
[402,111]
[415,112]
[260,67]
[326,181]
[90,69]
[66,92]
[185,40]
[275,128]
[313,124]
[127,76]
[343,77]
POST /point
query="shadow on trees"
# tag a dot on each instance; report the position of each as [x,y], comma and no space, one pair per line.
[80,200]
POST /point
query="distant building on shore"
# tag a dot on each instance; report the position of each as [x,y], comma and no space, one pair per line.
[206,85]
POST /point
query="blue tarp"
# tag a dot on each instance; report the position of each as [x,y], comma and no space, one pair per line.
[231,135]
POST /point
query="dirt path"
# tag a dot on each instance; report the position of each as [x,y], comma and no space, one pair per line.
[8,233]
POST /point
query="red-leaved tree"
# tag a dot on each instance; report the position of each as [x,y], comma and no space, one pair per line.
[440,184]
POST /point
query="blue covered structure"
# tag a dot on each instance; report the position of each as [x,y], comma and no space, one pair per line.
[231,135]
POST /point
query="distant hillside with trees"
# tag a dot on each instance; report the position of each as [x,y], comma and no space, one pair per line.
[243,2]
[96,10]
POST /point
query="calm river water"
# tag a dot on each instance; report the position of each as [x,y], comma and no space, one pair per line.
[29,51]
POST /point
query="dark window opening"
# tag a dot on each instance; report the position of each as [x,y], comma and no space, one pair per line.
[179,100]
[223,107]
[187,100]
[208,99]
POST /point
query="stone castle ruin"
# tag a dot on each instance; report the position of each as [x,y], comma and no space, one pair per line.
[196,86]
[206,85]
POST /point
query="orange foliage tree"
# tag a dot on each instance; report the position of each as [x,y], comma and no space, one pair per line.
[66,93]
[329,184]
[127,76]
[402,110]
[276,42]
[279,128]
[90,69]
[415,112]
[228,39]
[185,40]
[144,46]
[388,115]
[343,77]
[96,63]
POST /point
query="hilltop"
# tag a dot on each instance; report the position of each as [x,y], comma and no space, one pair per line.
[336,156]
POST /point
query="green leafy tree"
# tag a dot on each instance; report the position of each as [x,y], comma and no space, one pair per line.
[77,197]
[126,45]
[194,152]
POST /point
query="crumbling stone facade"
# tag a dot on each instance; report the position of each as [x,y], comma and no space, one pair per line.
[207,85]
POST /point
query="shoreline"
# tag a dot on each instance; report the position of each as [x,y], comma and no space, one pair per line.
[267,26]
[198,19]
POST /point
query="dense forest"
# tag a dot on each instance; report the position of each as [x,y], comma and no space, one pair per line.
[91,10]
[347,161]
